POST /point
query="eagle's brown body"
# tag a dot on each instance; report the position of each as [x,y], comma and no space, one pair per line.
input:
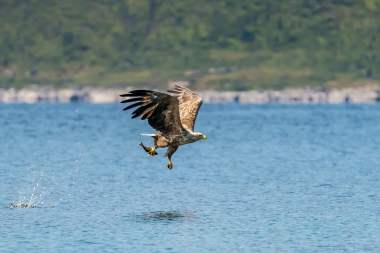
[173,115]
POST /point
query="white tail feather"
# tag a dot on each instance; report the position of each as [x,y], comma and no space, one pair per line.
[151,135]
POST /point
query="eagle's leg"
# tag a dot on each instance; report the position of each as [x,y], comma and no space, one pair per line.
[170,164]
[150,150]
[171,150]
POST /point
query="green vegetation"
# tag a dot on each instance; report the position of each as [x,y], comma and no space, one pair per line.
[220,44]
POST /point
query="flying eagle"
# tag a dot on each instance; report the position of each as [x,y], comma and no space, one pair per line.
[172,114]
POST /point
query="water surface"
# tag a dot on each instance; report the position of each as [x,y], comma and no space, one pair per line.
[268,179]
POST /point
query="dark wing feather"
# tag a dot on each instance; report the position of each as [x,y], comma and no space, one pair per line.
[132,105]
[130,100]
[189,104]
[161,110]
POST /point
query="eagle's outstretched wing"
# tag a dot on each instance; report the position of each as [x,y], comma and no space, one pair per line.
[161,110]
[189,104]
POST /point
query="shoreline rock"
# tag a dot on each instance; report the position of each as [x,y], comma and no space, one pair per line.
[358,95]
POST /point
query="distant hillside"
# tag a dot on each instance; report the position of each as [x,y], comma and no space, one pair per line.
[220,44]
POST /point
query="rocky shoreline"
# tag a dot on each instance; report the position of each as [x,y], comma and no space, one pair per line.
[357,95]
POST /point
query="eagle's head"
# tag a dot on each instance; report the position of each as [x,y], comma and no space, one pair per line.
[199,136]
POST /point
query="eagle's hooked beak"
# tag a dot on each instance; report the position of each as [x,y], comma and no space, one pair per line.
[204,137]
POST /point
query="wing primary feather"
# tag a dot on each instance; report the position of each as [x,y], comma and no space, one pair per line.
[133,105]
[145,115]
[132,100]
[136,93]
[130,94]
[160,109]
[148,112]
[139,111]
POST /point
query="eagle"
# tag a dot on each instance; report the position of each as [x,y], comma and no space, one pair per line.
[172,114]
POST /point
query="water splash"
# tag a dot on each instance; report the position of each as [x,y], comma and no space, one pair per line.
[34,200]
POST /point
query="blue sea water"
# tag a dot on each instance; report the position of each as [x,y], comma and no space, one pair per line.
[268,179]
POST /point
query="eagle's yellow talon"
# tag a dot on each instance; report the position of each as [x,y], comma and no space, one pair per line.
[170,165]
[152,151]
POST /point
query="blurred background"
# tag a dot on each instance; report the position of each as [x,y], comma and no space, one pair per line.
[271,178]
[214,44]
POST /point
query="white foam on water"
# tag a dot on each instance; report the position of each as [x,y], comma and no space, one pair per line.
[33,199]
